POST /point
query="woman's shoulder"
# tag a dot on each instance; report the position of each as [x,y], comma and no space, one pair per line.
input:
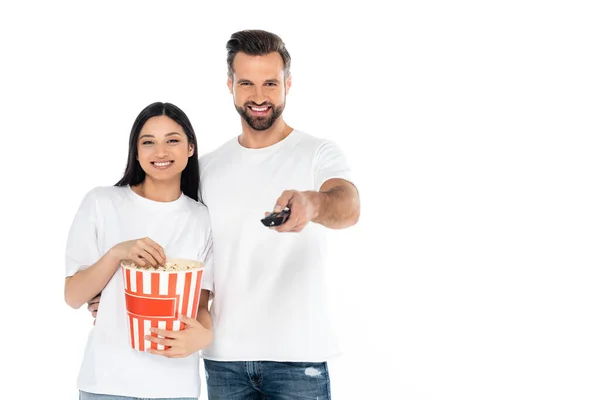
[108,192]
[198,211]
[102,195]
[196,206]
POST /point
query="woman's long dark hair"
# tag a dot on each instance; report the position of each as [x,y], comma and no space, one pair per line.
[134,174]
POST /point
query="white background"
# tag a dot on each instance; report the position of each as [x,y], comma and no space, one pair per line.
[472,127]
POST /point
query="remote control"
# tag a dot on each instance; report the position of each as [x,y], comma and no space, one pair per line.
[276,219]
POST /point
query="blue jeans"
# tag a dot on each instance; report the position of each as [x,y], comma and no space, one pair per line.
[258,380]
[94,396]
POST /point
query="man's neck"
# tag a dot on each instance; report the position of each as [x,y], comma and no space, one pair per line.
[254,139]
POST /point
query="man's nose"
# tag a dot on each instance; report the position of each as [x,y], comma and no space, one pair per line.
[258,96]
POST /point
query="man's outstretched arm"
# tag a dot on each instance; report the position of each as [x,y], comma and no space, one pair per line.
[336,205]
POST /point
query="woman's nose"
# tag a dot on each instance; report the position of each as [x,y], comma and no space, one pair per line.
[161,151]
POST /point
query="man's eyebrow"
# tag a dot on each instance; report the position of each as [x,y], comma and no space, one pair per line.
[272,81]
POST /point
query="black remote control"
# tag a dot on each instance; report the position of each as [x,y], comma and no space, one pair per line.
[276,219]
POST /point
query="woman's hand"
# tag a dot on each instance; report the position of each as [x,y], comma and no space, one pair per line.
[143,252]
[193,338]
[93,305]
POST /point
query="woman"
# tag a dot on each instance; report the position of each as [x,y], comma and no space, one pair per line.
[151,213]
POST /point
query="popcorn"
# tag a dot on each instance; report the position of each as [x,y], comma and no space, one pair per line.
[169,266]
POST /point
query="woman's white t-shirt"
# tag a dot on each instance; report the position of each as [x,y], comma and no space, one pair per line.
[111,215]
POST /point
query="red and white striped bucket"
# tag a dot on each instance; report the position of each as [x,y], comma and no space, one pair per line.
[154,299]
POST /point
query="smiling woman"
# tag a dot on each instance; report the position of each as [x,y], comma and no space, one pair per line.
[150,216]
[162,147]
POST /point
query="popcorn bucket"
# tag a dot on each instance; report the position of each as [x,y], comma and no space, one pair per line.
[154,299]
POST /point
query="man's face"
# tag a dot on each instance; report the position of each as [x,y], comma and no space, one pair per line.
[259,88]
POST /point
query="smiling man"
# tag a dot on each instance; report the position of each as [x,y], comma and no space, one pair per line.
[272,334]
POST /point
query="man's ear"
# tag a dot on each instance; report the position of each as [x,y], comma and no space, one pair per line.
[288,83]
[230,84]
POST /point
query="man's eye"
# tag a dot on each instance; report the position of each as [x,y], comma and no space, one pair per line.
[271,84]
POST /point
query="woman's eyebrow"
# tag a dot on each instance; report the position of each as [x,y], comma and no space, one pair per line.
[152,136]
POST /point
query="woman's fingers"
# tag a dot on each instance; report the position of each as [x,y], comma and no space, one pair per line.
[154,256]
[160,253]
[158,340]
[143,258]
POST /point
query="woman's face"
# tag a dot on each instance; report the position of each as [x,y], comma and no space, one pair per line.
[163,148]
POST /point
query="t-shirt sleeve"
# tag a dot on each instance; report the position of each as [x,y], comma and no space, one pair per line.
[207,258]
[330,163]
[82,243]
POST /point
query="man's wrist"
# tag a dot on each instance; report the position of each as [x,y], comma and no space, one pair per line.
[317,201]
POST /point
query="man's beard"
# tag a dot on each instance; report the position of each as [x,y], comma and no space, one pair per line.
[260,123]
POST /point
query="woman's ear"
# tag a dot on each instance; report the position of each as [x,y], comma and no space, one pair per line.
[191,150]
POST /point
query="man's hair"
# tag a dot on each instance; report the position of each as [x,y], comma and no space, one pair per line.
[256,43]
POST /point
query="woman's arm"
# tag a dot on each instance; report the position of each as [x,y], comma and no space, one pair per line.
[87,283]
[203,313]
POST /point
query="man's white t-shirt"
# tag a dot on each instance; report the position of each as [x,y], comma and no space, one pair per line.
[111,215]
[269,287]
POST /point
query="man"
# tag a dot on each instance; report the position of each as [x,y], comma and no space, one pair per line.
[272,334]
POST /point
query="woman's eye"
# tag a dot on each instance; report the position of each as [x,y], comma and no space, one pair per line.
[173,141]
[145,142]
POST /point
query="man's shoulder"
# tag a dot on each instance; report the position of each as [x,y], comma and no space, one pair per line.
[310,143]
[302,136]
[221,151]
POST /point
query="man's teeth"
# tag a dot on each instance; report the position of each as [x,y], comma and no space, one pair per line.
[162,164]
[259,109]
